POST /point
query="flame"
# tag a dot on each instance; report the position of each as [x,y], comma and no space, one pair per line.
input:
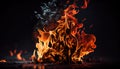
[14,53]
[11,53]
[85,4]
[3,60]
[18,55]
[67,41]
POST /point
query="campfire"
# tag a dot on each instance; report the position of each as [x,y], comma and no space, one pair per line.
[64,40]
[60,38]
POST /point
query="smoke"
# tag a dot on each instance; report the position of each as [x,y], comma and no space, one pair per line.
[49,12]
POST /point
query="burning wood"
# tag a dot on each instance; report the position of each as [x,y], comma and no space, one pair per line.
[64,41]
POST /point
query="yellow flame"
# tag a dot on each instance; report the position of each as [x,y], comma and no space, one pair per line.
[67,40]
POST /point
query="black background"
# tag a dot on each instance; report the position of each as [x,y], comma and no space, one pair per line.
[17,22]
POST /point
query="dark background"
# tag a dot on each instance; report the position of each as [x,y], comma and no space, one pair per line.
[17,22]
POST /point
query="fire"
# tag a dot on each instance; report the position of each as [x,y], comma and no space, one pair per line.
[19,57]
[85,4]
[65,40]
[3,60]
[17,54]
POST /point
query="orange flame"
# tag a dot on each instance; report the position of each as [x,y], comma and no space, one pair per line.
[11,53]
[3,60]
[67,41]
[18,55]
[85,4]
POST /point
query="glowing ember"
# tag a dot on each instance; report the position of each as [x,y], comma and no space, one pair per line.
[65,40]
[3,60]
